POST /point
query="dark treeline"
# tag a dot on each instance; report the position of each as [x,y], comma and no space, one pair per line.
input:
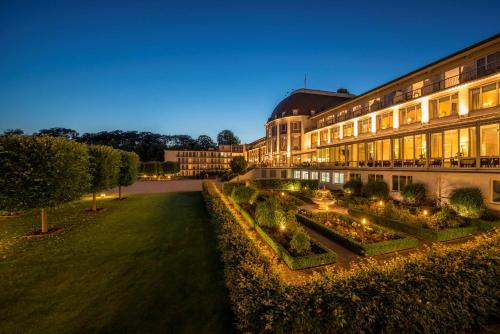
[149,146]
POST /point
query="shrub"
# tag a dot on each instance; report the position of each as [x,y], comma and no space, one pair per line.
[244,194]
[37,172]
[468,202]
[414,193]
[285,184]
[170,167]
[238,165]
[269,214]
[353,187]
[300,243]
[376,190]
[445,218]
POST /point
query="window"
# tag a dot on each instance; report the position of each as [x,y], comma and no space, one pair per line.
[467,142]
[348,130]
[408,148]
[314,175]
[295,127]
[283,128]
[396,148]
[420,146]
[361,152]
[263,173]
[305,175]
[272,174]
[484,97]
[295,112]
[399,181]
[370,150]
[384,120]
[335,133]
[436,145]
[283,142]
[323,137]
[314,139]
[444,106]
[295,142]
[375,177]
[354,176]
[496,191]
[296,174]
[325,177]
[364,125]
[489,140]
[321,123]
[338,178]
[411,114]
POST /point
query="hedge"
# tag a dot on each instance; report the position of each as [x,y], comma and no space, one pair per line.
[446,289]
[285,184]
[485,225]
[295,263]
[417,231]
[357,247]
[243,194]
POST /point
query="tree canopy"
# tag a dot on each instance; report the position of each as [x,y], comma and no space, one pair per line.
[60,132]
[227,137]
[238,165]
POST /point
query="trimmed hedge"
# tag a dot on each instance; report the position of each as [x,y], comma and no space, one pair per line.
[485,225]
[357,247]
[243,194]
[449,289]
[293,262]
[285,184]
[417,231]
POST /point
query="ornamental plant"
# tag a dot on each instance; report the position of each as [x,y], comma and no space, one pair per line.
[300,243]
[40,172]
[468,202]
[269,214]
[376,190]
[243,194]
[129,162]
[414,193]
[104,167]
[353,187]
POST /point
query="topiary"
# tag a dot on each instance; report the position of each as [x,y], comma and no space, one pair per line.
[270,214]
[300,243]
[468,202]
[243,194]
[376,190]
[353,187]
[414,193]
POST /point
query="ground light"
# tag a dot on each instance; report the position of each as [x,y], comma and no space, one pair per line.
[425,212]
[103,195]
[381,203]
[282,227]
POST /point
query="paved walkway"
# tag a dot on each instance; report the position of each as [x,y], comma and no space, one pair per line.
[149,187]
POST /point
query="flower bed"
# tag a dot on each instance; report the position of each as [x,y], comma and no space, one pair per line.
[371,240]
[280,242]
[448,289]
[416,230]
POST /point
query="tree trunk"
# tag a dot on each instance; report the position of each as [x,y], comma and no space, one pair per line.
[45,225]
[94,204]
[119,192]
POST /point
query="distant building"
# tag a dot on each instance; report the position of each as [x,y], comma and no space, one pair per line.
[439,125]
[194,162]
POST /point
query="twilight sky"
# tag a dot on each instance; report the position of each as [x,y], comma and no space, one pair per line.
[190,67]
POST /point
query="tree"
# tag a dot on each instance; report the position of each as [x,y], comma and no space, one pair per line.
[104,168]
[238,165]
[128,170]
[171,167]
[11,132]
[60,132]
[204,142]
[39,172]
[227,137]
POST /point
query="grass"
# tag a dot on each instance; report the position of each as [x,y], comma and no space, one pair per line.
[147,264]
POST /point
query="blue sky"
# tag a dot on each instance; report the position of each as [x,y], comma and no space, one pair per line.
[194,68]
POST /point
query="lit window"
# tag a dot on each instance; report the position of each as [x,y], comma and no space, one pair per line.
[364,125]
[338,178]
[496,191]
[325,177]
[314,175]
[399,182]
[335,133]
[384,121]
[411,114]
[484,97]
[348,130]
[305,175]
[489,140]
[296,174]
[443,106]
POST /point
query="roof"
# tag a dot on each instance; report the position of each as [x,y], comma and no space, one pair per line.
[304,100]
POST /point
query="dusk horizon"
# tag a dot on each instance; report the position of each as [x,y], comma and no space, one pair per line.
[158,67]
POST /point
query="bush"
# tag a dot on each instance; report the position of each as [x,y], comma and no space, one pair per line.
[151,168]
[128,170]
[170,167]
[353,187]
[244,194]
[468,202]
[300,243]
[238,165]
[419,290]
[104,168]
[376,190]
[414,193]
[285,184]
[269,214]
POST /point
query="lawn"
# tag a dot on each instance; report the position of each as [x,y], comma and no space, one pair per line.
[147,264]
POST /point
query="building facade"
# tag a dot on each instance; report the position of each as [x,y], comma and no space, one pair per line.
[439,125]
[194,162]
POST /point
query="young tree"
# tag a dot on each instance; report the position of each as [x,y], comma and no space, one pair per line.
[238,165]
[104,167]
[227,137]
[38,172]
[171,167]
[128,170]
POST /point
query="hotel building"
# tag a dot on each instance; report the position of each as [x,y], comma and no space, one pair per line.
[194,162]
[439,125]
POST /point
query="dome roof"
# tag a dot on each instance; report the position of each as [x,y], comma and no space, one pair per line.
[305,100]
